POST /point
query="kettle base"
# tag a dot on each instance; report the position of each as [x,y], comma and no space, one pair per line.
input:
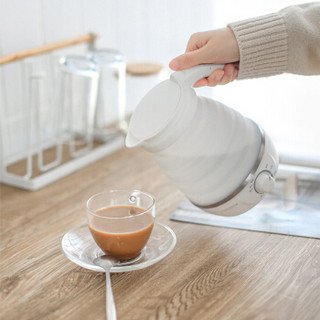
[246,195]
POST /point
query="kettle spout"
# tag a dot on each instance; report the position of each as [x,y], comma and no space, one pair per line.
[131,141]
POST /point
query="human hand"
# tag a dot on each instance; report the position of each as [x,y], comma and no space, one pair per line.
[216,46]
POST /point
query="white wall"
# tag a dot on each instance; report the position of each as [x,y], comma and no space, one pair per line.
[141,29]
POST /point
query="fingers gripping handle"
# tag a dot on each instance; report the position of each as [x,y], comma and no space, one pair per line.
[190,76]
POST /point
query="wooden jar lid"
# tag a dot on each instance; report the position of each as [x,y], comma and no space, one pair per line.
[144,68]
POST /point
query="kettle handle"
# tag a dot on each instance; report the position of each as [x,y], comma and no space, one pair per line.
[190,76]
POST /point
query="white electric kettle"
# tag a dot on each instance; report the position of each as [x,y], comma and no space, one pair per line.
[223,162]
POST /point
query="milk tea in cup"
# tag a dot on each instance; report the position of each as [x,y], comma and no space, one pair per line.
[121,221]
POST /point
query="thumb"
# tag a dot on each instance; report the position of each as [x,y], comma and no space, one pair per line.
[187,60]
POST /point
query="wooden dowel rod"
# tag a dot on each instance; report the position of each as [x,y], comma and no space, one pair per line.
[46,48]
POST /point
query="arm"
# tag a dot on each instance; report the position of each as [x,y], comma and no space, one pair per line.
[287,41]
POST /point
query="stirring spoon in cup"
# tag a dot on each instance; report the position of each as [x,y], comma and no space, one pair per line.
[107,262]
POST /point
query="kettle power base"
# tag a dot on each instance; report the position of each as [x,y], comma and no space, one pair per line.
[276,213]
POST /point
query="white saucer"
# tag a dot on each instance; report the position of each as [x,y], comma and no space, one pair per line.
[79,246]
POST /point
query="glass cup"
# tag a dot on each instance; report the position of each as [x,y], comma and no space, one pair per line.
[79,89]
[111,103]
[121,221]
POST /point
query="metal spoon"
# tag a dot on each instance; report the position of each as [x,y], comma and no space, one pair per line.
[107,262]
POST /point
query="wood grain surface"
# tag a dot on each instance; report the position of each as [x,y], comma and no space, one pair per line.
[213,272]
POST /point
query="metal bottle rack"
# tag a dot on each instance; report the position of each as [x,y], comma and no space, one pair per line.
[36,143]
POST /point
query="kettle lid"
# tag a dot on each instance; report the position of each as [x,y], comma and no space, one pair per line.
[160,105]
[154,112]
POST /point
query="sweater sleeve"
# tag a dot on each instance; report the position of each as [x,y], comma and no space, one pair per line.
[287,41]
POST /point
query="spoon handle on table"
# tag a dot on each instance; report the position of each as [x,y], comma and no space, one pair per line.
[110,305]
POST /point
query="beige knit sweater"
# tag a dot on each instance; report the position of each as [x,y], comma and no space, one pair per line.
[287,41]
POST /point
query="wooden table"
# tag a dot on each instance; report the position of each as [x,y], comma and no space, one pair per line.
[213,273]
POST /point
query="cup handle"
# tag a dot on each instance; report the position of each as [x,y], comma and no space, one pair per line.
[190,76]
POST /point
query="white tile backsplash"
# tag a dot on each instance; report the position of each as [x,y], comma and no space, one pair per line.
[61,19]
[20,23]
[101,16]
[141,29]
